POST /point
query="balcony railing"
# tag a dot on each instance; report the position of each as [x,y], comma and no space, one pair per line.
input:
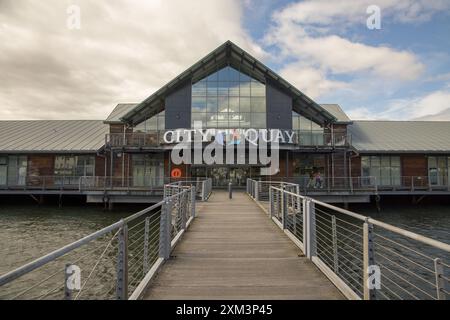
[96,183]
[153,139]
[369,184]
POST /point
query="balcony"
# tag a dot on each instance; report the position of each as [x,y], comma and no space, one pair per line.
[295,138]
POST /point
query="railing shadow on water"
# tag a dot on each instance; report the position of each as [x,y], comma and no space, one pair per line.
[116,262]
[363,257]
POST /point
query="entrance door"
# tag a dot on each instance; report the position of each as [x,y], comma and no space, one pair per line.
[219,176]
[238,176]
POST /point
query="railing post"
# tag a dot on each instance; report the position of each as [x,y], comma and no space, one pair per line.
[441,283]
[204,190]
[122,264]
[368,259]
[335,244]
[284,208]
[310,232]
[165,230]
[295,209]
[257,190]
[183,209]
[67,290]
[193,193]
[271,202]
[146,234]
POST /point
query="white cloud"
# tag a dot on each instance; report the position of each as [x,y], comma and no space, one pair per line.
[329,12]
[432,106]
[307,32]
[310,81]
[124,51]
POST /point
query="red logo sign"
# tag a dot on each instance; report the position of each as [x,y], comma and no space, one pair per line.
[176,173]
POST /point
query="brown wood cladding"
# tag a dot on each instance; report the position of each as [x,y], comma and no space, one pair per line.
[414,165]
[41,165]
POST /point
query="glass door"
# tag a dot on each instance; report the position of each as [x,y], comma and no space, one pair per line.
[238,176]
[438,170]
[219,176]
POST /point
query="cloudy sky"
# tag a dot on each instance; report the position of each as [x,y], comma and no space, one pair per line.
[127,49]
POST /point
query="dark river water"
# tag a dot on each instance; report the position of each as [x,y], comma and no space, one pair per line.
[28,231]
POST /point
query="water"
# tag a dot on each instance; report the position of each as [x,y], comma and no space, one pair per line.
[432,221]
[29,231]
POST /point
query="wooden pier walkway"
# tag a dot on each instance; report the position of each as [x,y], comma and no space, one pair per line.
[233,250]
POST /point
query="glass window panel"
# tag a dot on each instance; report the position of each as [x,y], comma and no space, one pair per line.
[233,120]
[244,77]
[258,89]
[236,97]
[245,120]
[315,126]
[224,74]
[213,77]
[161,123]
[258,120]
[432,162]
[151,124]
[234,89]
[395,175]
[258,104]
[212,120]
[212,104]
[199,117]
[305,124]
[199,89]
[223,104]
[385,176]
[222,88]
[233,74]
[395,161]
[244,104]
[245,89]
[365,162]
[198,104]
[212,89]
[222,120]
[295,121]
[385,161]
[233,104]
[375,161]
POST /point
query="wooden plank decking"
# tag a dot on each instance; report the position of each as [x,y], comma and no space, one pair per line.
[233,250]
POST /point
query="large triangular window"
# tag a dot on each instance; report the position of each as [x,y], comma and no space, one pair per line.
[229,99]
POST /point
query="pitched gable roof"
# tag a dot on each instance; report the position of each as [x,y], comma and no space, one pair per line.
[400,136]
[77,136]
[227,54]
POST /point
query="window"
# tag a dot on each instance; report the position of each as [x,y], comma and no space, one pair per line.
[148,170]
[229,99]
[156,123]
[75,166]
[310,133]
[385,169]
[438,170]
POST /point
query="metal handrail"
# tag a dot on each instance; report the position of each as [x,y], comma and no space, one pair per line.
[344,244]
[176,212]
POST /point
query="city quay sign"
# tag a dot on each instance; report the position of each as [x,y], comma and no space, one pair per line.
[228,146]
[231,136]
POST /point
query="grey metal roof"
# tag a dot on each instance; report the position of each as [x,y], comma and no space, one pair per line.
[227,54]
[337,112]
[400,136]
[52,136]
[119,111]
